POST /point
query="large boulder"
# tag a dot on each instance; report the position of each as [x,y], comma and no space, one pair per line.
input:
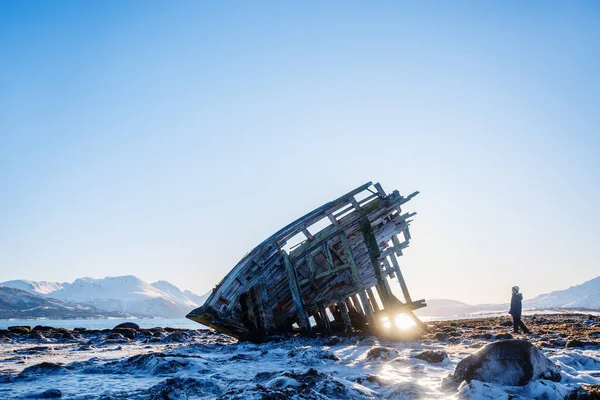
[507,362]
[19,329]
[128,325]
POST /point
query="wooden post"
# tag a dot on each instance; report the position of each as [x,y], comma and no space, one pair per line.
[373,300]
[311,264]
[397,245]
[357,304]
[349,304]
[324,318]
[328,258]
[266,313]
[373,249]
[380,189]
[359,283]
[303,321]
[400,278]
[345,315]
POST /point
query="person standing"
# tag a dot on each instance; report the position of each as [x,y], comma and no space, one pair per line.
[515,310]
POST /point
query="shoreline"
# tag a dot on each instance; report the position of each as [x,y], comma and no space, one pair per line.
[154,363]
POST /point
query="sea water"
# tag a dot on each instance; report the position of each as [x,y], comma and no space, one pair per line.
[107,323]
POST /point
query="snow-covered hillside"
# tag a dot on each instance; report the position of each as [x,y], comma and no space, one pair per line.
[586,295]
[185,296]
[17,303]
[39,287]
[127,294]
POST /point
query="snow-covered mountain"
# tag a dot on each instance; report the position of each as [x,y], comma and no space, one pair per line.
[39,287]
[185,296]
[17,303]
[586,295]
[583,296]
[127,294]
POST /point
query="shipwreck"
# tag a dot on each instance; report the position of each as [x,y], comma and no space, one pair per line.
[329,270]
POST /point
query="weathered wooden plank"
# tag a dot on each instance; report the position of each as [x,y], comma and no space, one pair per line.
[369,311]
[402,308]
[373,250]
[328,258]
[380,189]
[332,219]
[349,304]
[323,275]
[311,265]
[265,309]
[324,318]
[357,304]
[345,315]
[401,281]
[373,300]
[303,321]
[308,235]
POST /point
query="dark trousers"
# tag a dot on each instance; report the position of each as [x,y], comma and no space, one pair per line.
[518,323]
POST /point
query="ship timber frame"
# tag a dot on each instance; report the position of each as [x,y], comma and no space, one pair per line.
[329,270]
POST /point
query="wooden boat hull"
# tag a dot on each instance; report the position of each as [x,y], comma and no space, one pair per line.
[336,276]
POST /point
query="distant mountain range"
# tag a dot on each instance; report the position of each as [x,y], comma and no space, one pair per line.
[584,296]
[16,303]
[110,296]
[130,296]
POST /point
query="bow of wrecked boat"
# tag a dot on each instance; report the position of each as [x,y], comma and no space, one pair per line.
[329,270]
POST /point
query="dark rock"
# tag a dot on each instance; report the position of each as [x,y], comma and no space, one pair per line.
[177,336]
[383,353]
[42,328]
[37,350]
[67,336]
[506,323]
[448,329]
[176,388]
[508,362]
[19,329]
[440,337]
[45,368]
[504,336]
[79,330]
[585,392]
[59,333]
[333,341]
[128,325]
[374,379]
[50,394]
[36,335]
[129,333]
[116,337]
[432,356]
[577,343]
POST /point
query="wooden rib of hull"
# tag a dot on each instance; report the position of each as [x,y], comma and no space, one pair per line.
[348,248]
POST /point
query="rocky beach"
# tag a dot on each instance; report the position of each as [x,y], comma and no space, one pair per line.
[453,359]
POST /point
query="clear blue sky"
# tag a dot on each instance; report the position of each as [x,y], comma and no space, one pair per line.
[165,140]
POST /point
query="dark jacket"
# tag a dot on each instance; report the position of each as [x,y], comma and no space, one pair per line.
[515,305]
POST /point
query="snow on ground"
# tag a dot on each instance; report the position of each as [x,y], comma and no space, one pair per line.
[190,364]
